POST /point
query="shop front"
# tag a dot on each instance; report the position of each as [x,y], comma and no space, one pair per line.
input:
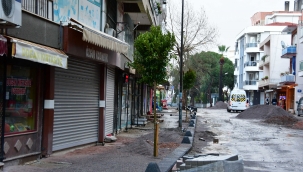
[22,78]
[85,93]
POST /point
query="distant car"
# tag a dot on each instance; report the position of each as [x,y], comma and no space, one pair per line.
[237,100]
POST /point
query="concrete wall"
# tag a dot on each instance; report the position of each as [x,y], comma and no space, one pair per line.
[38,30]
[278,64]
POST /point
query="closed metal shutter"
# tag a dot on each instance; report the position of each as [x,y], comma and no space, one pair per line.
[76,113]
[110,93]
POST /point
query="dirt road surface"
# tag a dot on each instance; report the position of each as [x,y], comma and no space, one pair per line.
[263,147]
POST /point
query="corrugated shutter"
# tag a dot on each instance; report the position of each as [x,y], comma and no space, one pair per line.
[110,93]
[76,105]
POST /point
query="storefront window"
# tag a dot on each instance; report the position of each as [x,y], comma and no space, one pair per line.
[20,114]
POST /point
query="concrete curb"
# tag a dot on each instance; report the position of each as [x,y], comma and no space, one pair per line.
[169,161]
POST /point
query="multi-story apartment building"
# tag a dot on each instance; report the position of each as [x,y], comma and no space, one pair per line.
[249,64]
[62,72]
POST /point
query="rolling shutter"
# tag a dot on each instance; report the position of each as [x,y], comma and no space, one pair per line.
[110,93]
[76,111]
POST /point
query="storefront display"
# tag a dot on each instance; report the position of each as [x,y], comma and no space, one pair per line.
[20,116]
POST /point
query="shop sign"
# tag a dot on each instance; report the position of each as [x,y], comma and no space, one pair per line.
[299,90]
[40,55]
[96,55]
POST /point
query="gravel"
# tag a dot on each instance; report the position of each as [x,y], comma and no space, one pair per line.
[269,114]
[219,105]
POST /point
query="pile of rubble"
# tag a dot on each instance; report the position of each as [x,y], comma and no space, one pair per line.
[270,114]
[219,105]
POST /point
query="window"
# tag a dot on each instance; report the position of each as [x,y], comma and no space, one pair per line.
[21,91]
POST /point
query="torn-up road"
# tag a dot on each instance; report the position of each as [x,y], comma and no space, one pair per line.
[262,146]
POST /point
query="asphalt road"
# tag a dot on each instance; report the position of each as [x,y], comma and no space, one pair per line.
[263,147]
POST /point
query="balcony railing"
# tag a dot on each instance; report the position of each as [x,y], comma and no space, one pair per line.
[250,63]
[250,82]
[289,52]
[43,8]
[288,79]
[251,45]
[266,82]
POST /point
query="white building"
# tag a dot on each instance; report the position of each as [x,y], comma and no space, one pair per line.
[249,66]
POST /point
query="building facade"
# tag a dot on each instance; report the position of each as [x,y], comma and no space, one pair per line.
[63,71]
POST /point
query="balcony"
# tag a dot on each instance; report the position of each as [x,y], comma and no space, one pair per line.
[261,64]
[254,44]
[250,63]
[252,47]
[288,79]
[250,82]
[272,82]
[289,52]
[251,66]
[250,85]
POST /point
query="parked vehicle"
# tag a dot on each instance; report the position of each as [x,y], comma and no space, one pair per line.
[237,100]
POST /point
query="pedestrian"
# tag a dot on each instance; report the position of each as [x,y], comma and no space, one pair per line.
[274,101]
[247,103]
[267,101]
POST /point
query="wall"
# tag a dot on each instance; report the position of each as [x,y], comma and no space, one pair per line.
[37,30]
[278,64]
[299,57]
[87,12]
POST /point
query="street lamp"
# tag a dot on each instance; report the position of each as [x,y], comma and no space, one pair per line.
[181,70]
[221,62]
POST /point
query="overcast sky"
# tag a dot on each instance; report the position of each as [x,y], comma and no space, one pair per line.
[232,16]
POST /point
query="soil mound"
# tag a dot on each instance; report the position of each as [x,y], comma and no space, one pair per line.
[269,113]
[219,105]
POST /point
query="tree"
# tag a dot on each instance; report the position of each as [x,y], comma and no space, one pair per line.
[207,68]
[222,49]
[152,54]
[198,33]
[189,81]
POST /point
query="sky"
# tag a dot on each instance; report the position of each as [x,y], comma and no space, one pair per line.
[230,17]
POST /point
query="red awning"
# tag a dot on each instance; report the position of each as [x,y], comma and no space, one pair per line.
[3,45]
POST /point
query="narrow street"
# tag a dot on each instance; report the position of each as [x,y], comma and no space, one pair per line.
[262,146]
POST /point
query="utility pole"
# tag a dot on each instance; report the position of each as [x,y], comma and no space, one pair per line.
[181,70]
[221,62]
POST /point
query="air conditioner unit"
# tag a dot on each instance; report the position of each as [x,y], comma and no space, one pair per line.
[10,13]
[111,32]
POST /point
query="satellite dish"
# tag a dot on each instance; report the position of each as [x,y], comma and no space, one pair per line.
[283,44]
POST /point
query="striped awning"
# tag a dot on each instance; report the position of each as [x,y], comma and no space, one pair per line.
[102,39]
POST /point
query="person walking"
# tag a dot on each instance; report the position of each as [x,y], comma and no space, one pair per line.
[267,101]
[274,101]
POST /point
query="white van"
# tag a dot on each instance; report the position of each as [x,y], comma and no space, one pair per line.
[237,100]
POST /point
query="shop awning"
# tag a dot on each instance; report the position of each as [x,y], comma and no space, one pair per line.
[101,39]
[3,45]
[38,53]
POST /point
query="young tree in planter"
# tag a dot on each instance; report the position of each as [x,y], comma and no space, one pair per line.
[151,58]
[189,80]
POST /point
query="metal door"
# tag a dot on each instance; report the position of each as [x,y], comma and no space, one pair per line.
[76,112]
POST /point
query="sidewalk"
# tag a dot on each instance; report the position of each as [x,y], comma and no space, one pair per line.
[132,152]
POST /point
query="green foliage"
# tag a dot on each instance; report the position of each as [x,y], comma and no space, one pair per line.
[222,48]
[204,98]
[152,55]
[189,79]
[263,57]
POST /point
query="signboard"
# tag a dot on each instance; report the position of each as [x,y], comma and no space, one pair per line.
[214,95]
[299,90]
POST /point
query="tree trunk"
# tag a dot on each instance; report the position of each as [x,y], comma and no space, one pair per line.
[155,124]
[185,105]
